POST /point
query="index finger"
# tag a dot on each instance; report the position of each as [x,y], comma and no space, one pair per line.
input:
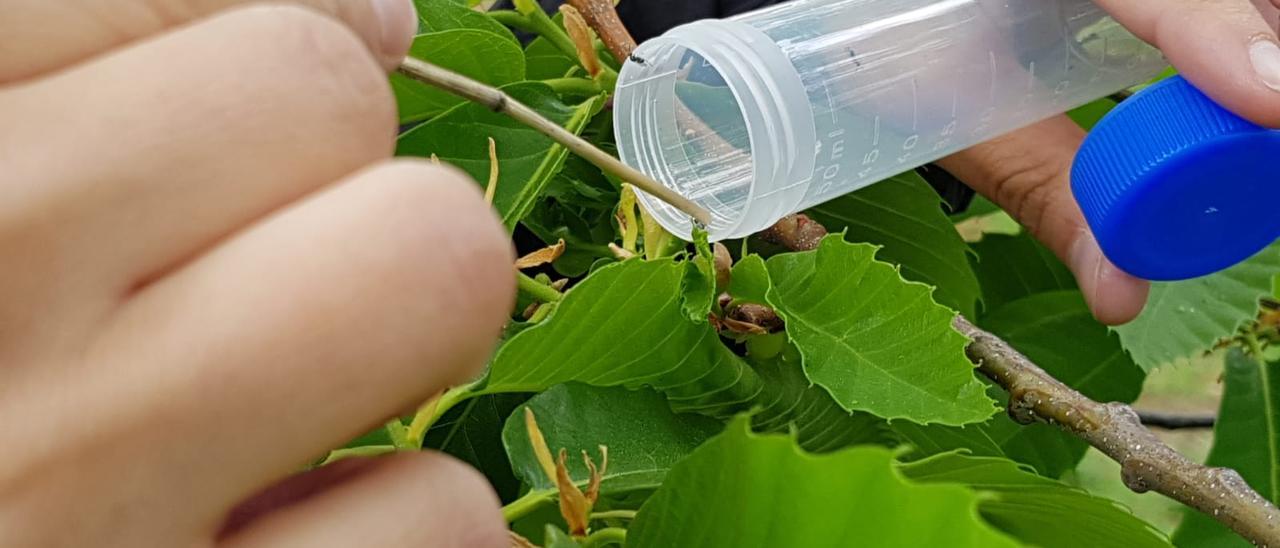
[1227,48]
[42,36]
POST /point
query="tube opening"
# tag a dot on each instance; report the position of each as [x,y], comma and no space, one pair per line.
[686,128]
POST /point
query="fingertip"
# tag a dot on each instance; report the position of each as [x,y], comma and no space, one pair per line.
[1230,53]
[1118,297]
[398,25]
[1114,296]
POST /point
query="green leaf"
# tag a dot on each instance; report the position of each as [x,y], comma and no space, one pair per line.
[1089,115]
[528,159]
[544,61]
[700,279]
[1055,330]
[472,432]
[749,281]
[1246,439]
[1185,318]
[877,343]
[1036,510]
[1012,267]
[478,54]
[742,490]
[790,403]
[438,15]
[625,326]
[904,215]
[586,234]
[555,538]
[645,438]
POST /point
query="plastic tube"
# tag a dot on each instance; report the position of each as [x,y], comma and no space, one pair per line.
[778,110]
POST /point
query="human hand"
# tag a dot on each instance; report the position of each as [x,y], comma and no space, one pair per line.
[1227,48]
[214,273]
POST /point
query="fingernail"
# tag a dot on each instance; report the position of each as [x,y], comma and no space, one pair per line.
[398,22]
[1265,55]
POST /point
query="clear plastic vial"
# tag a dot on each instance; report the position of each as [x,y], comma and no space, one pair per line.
[778,110]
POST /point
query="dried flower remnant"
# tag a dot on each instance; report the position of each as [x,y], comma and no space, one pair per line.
[518,541]
[539,443]
[492,188]
[575,505]
[584,39]
[542,256]
[628,224]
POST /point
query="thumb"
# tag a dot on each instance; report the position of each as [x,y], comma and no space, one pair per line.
[1027,173]
[1227,48]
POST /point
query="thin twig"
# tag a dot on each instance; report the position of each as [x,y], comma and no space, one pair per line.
[1174,421]
[1147,463]
[500,102]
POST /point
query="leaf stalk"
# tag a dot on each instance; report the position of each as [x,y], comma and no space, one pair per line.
[538,290]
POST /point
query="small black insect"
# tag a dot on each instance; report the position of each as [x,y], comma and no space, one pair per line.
[637,59]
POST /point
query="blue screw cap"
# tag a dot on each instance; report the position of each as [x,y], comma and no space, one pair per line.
[1174,186]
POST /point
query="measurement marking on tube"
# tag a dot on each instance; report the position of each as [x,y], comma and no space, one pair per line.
[831,103]
[915,104]
[1031,79]
[837,144]
[908,146]
[1066,52]
[992,93]
[648,78]
[875,133]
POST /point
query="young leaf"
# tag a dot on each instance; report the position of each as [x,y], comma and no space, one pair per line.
[750,280]
[645,438]
[626,325]
[853,497]
[878,343]
[528,159]
[1055,330]
[1012,267]
[1036,510]
[1184,318]
[1246,439]
[438,15]
[700,279]
[904,215]
[481,55]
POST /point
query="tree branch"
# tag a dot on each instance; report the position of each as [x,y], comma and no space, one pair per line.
[603,17]
[1147,464]
[500,102]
